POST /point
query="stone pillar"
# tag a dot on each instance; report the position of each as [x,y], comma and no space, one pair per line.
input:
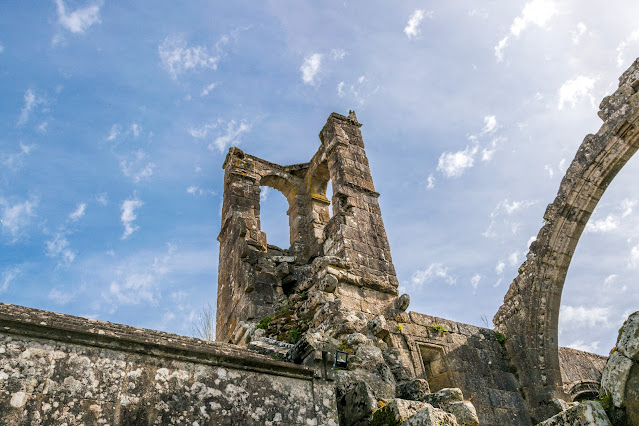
[239,237]
[356,232]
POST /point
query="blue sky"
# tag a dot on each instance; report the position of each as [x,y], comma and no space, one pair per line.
[116,117]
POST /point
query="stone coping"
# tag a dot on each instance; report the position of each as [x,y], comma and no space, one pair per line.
[70,329]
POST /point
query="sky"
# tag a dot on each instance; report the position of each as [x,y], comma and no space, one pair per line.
[115,119]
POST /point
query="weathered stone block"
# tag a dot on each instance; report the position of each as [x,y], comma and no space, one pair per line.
[356,402]
[614,377]
[396,412]
[588,413]
[464,412]
[431,416]
[415,390]
[443,397]
[628,342]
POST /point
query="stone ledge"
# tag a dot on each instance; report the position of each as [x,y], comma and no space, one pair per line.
[48,325]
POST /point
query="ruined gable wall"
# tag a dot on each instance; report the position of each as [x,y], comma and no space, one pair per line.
[57,369]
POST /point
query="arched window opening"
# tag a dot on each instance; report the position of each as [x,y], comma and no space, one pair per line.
[329,195]
[274,217]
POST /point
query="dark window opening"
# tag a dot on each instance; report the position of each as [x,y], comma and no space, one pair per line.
[436,370]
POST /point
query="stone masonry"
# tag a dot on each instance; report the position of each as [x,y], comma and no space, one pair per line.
[317,333]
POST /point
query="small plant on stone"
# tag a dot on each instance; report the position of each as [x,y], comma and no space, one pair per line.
[400,327]
[264,323]
[500,337]
[345,347]
[294,335]
[439,328]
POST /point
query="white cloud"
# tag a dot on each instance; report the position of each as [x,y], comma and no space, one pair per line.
[581,316]
[114,132]
[78,212]
[359,91]
[453,164]
[612,221]
[1,48]
[634,257]
[578,33]
[192,189]
[474,281]
[431,182]
[499,269]
[626,207]
[135,128]
[310,68]
[208,89]
[499,49]
[102,199]
[488,152]
[61,296]
[138,169]
[16,217]
[177,57]
[58,248]
[502,216]
[604,225]
[535,12]
[128,216]
[264,193]
[31,102]
[621,48]
[79,20]
[550,171]
[562,165]
[573,90]
[201,132]
[412,29]
[512,207]
[580,345]
[434,271]
[9,275]
[338,54]
[138,283]
[609,279]
[490,124]
[233,135]
[513,259]
[15,161]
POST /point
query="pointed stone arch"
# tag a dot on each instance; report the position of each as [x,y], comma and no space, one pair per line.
[530,314]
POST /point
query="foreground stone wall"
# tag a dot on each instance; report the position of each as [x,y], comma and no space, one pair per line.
[59,369]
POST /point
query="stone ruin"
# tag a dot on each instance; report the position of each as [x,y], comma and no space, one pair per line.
[317,333]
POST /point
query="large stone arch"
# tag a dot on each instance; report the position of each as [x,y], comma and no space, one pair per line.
[530,313]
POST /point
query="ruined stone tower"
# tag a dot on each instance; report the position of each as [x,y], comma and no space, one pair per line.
[253,276]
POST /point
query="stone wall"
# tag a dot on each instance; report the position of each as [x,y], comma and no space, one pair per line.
[60,369]
[455,355]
